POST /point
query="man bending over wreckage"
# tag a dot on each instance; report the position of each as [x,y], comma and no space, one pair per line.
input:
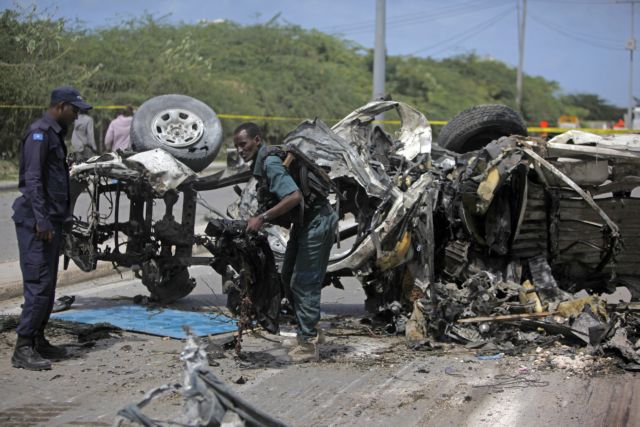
[281,202]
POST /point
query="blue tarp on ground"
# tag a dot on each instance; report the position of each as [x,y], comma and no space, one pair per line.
[155,321]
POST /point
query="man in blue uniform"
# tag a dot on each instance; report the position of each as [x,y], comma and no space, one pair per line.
[310,240]
[39,214]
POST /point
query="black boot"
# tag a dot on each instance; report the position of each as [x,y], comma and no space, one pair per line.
[24,356]
[48,350]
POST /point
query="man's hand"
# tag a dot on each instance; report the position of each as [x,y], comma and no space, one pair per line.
[46,235]
[255,223]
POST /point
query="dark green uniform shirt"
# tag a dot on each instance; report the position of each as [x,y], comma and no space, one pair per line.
[280,182]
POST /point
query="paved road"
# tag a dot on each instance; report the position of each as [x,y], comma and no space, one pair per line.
[8,250]
[218,199]
[362,379]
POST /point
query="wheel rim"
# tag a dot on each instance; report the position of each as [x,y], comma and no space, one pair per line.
[177,128]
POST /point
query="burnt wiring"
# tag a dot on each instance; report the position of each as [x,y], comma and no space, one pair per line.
[102,181]
[93,212]
[217,312]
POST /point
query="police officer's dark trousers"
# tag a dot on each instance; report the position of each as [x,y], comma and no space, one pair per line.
[305,265]
[39,265]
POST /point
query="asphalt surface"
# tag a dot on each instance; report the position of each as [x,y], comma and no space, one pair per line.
[10,276]
[9,192]
[364,377]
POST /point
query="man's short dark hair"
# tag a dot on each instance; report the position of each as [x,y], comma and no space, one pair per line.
[126,111]
[251,128]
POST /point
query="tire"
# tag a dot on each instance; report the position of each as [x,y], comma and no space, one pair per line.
[183,126]
[477,126]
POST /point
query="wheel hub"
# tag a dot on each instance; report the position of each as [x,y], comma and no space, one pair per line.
[177,128]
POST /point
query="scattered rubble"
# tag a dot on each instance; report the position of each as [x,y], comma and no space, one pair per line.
[85,334]
[207,400]
[490,315]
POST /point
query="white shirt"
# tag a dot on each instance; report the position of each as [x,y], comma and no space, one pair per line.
[83,134]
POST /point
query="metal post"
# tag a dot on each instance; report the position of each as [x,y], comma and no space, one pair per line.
[522,15]
[379,52]
[631,45]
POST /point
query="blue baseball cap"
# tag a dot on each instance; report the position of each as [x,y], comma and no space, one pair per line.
[70,95]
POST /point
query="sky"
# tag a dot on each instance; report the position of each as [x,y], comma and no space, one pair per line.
[581,44]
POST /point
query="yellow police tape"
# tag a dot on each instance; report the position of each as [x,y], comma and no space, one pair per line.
[535,130]
[590,130]
[227,116]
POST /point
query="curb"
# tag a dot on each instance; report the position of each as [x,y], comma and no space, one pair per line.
[72,276]
[12,288]
[8,185]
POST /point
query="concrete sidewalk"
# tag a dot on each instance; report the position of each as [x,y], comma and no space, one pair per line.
[11,276]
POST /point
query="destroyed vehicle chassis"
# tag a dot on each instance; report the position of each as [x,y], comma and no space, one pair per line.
[419,208]
[158,251]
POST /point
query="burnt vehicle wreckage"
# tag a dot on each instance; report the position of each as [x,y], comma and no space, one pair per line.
[473,238]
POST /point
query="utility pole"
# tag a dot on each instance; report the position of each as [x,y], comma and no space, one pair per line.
[522,16]
[379,54]
[631,45]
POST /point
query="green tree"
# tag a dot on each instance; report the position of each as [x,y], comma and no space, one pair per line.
[268,69]
[595,108]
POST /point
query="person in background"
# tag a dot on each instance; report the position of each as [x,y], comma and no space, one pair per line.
[117,137]
[40,213]
[82,139]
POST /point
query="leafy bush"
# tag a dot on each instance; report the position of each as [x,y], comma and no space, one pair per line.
[264,70]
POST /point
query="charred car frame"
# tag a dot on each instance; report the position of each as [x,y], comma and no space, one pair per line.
[412,212]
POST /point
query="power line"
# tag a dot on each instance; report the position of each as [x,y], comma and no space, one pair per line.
[430,18]
[585,36]
[434,17]
[369,22]
[595,3]
[466,34]
[593,42]
[480,29]
[417,17]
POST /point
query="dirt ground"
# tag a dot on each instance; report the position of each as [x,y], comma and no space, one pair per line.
[363,378]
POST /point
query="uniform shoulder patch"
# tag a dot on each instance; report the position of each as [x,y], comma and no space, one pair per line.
[38,136]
